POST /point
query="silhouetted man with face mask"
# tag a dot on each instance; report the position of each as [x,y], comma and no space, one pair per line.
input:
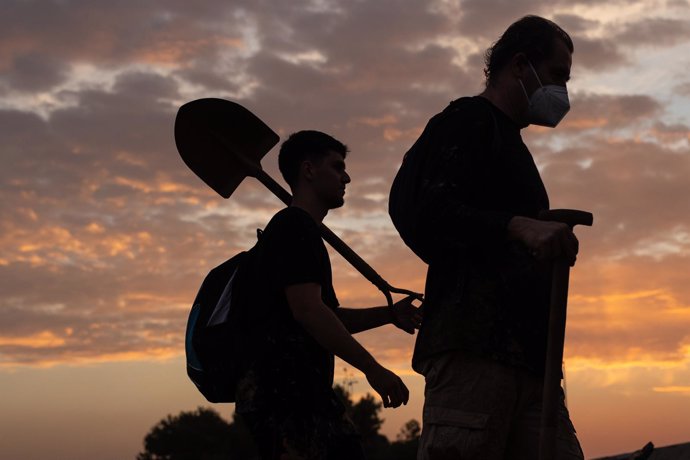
[482,344]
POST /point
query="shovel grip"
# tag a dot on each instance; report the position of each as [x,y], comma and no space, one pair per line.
[572,217]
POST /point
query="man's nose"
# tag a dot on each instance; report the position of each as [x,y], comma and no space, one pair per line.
[346,178]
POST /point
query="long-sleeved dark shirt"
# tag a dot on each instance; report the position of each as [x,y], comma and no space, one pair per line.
[484,293]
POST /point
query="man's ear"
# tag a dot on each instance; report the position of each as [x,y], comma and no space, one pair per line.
[519,66]
[306,169]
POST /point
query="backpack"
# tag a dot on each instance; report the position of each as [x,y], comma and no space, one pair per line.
[419,161]
[216,335]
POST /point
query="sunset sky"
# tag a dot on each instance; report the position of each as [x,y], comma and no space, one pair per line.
[106,235]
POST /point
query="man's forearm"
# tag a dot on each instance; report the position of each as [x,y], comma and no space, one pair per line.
[327,329]
[363,319]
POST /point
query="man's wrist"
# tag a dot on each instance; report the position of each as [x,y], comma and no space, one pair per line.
[390,314]
[369,364]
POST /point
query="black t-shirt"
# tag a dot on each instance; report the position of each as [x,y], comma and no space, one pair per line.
[484,293]
[291,368]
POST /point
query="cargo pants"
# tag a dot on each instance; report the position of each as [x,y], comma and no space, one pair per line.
[479,409]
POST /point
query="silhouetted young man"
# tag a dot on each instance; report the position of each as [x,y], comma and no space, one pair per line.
[482,344]
[287,397]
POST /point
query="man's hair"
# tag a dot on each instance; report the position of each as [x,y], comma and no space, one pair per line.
[305,146]
[532,35]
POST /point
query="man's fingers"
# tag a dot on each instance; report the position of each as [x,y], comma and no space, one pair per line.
[559,241]
[405,393]
[400,393]
[389,399]
[419,297]
[385,399]
[398,399]
[392,389]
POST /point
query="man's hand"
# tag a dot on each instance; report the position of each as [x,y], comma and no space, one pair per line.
[405,315]
[389,386]
[544,239]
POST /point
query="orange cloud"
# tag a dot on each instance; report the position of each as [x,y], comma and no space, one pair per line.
[151,354]
[683,390]
[378,121]
[173,52]
[394,134]
[45,339]
[586,123]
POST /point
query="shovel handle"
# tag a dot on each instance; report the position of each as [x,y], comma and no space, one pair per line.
[336,243]
[556,338]
[554,360]
[282,194]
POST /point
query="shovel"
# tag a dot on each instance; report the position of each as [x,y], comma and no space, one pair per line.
[554,348]
[223,142]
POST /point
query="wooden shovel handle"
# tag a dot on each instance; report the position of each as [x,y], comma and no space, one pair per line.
[556,338]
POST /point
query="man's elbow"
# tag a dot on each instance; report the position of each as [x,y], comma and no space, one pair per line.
[304,312]
[304,301]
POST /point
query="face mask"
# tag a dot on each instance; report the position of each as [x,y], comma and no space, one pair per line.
[548,104]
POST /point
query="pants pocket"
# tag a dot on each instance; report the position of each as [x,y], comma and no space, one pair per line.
[454,434]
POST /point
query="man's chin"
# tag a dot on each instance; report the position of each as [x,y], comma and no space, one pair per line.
[337,203]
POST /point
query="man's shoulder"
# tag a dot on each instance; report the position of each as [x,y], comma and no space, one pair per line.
[469,108]
[290,226]
[291,217]
[465,120]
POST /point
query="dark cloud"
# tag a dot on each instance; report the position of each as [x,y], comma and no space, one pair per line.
[601,111]
[597,54]
[212,79]
[490,23]
[369,63]
[34,72]
[574,24]
[634,188]
[654,32]
[489,20]
[109,33]
[145,86]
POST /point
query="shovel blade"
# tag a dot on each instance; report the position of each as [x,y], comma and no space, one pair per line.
[221,142]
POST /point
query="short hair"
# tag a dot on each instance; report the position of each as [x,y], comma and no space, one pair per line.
[532,35]
[305,146]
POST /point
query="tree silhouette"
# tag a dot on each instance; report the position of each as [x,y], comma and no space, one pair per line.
[365,414]
[410,431]
[204,435]
[405,448]
[198,435]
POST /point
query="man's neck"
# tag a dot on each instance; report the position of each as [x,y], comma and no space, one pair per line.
[316,210]
[505,103]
